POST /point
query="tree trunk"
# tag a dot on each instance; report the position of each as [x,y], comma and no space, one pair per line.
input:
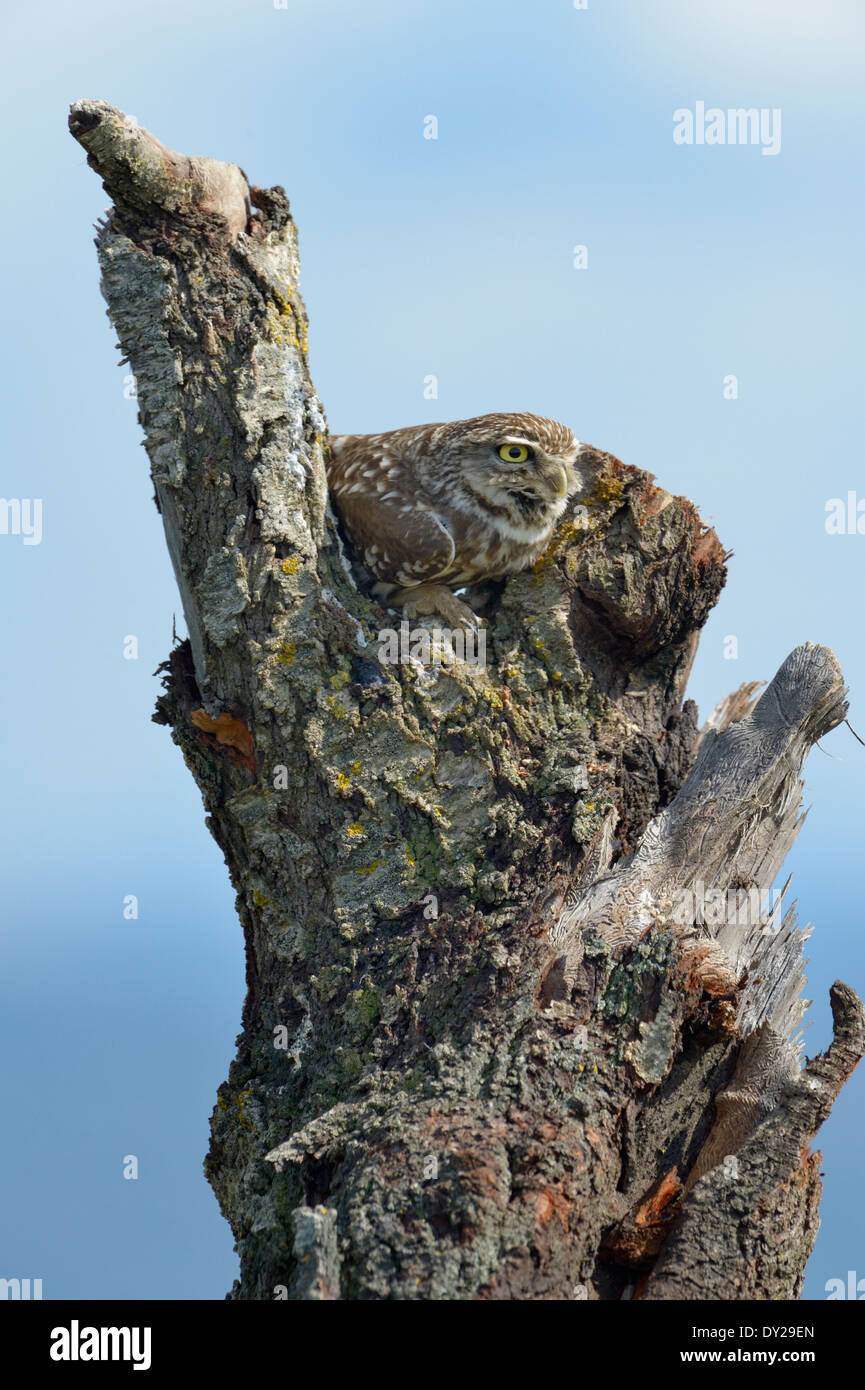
[501,1037]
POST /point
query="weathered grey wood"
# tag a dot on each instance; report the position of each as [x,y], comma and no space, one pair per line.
[433,1098]
[750,1224]
[729,828]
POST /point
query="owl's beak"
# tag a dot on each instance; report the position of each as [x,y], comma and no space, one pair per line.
[557,478]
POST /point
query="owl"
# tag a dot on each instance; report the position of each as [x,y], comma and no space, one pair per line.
[433,507]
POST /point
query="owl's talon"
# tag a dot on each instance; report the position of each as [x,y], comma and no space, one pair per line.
[436,600]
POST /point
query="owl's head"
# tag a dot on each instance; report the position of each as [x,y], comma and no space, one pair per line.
[519,464]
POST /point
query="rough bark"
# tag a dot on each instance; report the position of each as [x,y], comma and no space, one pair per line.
[481,1047]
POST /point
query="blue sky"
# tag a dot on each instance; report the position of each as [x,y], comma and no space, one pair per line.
[451,257]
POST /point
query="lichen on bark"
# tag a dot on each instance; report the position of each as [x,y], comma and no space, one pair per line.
[453,1082]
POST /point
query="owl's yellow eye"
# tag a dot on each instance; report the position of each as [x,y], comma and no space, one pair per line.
[515,453]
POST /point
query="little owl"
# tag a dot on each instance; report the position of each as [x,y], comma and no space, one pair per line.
[433,507]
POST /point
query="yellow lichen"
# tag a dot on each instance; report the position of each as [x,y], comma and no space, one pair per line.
[568,531]
[608,489]
[291,565]
[240,1101]
[371,868]
[287,652]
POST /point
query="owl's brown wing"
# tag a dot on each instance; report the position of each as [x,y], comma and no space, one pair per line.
[400,542]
